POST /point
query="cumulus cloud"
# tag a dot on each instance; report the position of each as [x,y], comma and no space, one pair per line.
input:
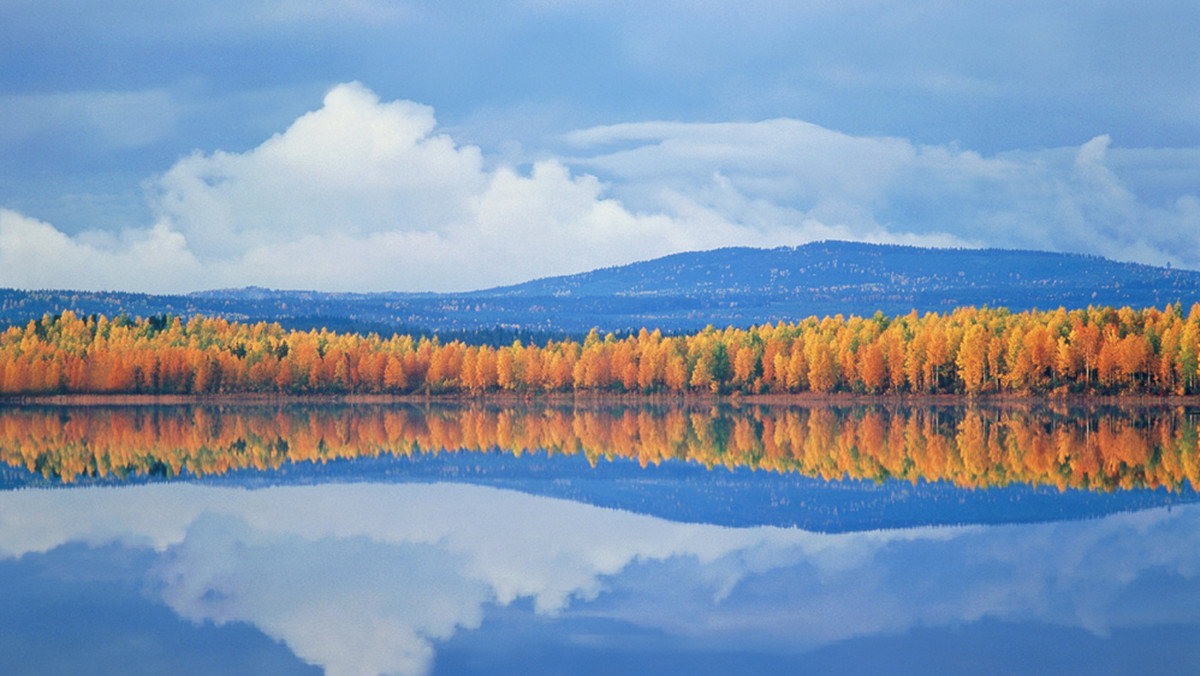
[364,194]
[34,254]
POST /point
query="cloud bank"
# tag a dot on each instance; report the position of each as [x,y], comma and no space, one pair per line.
[369,195]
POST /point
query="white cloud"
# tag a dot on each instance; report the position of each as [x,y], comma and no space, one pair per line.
[354,167]
[781,159]
[891,190]
[35,255]
[363,194]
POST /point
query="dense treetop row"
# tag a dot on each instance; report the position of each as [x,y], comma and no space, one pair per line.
[972,351]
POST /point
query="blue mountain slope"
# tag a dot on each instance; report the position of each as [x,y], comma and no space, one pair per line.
[742,286]
[686,291]
[834,267]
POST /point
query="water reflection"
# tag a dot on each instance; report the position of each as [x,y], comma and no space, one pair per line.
[971,447]
[376,578]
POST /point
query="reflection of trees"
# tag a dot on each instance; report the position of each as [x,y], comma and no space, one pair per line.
[971,447]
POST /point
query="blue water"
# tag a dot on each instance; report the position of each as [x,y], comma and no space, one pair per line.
[490,563]
[371,577]
[688,492]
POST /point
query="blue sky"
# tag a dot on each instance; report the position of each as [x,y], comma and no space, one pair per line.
[371,145]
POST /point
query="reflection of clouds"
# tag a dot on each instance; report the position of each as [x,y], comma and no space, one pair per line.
[365,578]
[1125,570]
[353,605]
[154,515]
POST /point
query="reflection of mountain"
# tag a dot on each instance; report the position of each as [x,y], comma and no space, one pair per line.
[741,497]
[736,286]
[729,466]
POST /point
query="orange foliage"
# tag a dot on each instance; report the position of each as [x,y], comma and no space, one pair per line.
[971,351]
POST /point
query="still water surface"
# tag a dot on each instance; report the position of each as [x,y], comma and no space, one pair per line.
[371,540]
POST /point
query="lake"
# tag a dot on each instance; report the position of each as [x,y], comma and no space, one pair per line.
[537,539]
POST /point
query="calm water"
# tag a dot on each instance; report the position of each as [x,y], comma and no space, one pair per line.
[366,540]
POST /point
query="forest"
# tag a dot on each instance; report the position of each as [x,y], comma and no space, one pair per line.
[970,351]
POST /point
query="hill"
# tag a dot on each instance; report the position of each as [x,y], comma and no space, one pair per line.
[686,291]
[742,286]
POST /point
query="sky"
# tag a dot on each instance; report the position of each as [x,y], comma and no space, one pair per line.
[375,145]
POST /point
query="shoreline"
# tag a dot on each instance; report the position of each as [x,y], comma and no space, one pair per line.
[800,399]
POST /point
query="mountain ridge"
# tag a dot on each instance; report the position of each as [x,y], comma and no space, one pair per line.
[832,250]
[737,286]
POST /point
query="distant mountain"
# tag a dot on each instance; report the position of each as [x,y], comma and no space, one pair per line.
[744,286]
[733,286]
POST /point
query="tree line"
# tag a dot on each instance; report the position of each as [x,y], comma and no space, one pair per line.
[1098,350]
